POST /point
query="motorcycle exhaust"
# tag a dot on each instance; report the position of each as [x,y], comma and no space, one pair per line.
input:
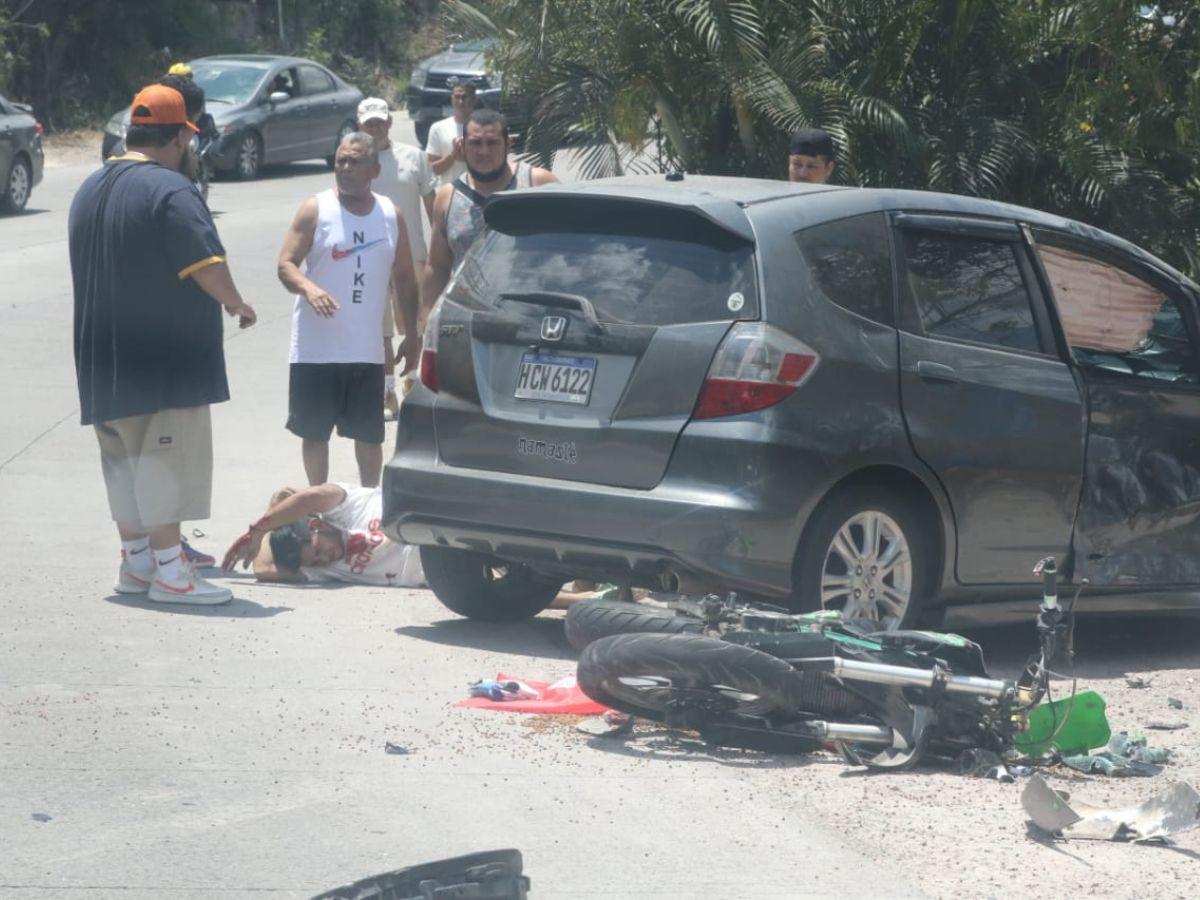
[849,732]
[903,676]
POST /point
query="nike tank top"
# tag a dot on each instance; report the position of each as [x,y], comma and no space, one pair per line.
[351,258]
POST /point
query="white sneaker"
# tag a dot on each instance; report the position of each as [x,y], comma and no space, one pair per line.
[131,579]
[189,588]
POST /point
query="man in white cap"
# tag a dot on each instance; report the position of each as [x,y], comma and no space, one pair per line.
[405,178]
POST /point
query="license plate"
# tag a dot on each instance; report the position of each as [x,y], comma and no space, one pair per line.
[561,379]
[447,111]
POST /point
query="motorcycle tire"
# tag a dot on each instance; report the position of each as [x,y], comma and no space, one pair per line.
[591,620]
[643,674]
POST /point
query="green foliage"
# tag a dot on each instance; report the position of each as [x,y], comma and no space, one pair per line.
[1087,108]
[77,61]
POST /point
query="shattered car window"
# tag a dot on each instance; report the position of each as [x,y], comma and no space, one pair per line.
[1115,321]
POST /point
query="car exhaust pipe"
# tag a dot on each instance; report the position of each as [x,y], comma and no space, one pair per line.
[903,676]
[676,582]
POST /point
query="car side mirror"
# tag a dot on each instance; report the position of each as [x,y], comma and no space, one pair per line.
[279,97]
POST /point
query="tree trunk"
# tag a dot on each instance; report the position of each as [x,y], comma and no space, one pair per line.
[666,113]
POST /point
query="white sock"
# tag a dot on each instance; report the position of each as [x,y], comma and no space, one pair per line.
[138,553]
[389,383]
[170,563]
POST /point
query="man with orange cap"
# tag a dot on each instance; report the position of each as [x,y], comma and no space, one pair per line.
[150,282]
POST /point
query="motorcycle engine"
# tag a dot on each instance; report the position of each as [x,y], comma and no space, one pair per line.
[773,622]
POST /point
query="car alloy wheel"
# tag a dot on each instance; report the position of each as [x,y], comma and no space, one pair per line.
[249,157]
[868,571]
[18,186]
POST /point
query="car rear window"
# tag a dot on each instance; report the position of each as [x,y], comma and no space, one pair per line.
[850,262]
[647,270]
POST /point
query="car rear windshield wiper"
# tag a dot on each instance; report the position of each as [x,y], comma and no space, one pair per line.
[558,300]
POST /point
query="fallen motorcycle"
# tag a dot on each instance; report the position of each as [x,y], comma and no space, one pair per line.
[590,620]
[769,680]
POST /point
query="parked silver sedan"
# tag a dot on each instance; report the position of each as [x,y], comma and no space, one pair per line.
[268,109]
[21,155]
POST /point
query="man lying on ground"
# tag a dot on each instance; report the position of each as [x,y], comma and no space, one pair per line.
[328,532]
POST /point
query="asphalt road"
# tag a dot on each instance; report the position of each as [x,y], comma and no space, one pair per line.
[151,752]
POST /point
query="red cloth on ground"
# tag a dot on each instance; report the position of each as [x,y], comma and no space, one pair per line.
[562,698]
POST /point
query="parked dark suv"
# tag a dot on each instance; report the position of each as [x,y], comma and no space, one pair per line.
[879,401]
[433,80]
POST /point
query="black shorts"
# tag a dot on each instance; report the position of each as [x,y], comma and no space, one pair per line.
[346,395]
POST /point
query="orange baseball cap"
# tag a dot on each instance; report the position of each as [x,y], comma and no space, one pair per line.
[158,104]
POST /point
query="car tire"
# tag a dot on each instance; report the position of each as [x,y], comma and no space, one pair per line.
[348,127]
[835,560]
[17,186]
[248,158]
[482,587]
[590,620]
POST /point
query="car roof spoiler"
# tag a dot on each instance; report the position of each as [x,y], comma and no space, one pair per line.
[513,212]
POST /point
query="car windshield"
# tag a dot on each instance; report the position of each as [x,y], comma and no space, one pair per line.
[228,82]
[629,278]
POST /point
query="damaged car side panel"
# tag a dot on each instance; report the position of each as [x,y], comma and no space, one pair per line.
[1138,513]
[1131,330]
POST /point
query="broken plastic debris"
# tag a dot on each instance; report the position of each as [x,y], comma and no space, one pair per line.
[1137,681]
[610,724]
[1166,724]
[1174,703]
[1125,757]
[979,763]
[1174,811]
[396,749]
[40,817]
[1072,725]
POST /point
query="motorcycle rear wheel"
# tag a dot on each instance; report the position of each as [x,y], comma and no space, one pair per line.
[591,620]
[648,675]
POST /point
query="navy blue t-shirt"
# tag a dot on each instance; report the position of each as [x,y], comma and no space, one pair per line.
[147,337]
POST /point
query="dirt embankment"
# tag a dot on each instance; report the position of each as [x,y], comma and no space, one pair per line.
[73,148]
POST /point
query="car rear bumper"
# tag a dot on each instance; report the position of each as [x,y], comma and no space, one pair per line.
[38,154]
[708,536]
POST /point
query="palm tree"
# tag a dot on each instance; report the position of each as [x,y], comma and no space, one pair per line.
[1088,108]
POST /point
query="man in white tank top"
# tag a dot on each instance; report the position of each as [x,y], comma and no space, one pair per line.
[351,243]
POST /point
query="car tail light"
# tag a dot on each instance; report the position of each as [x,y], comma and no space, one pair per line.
[429,347]
[39,128]
[756,366]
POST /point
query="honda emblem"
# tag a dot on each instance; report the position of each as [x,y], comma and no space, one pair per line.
[553,328]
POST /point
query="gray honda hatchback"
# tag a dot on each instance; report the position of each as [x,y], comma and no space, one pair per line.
[884,402]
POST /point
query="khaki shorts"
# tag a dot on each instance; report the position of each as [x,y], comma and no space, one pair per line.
[158,467]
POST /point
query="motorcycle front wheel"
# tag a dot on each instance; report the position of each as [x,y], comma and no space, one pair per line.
[649,675]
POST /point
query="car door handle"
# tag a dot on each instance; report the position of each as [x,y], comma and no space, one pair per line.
[932,371]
